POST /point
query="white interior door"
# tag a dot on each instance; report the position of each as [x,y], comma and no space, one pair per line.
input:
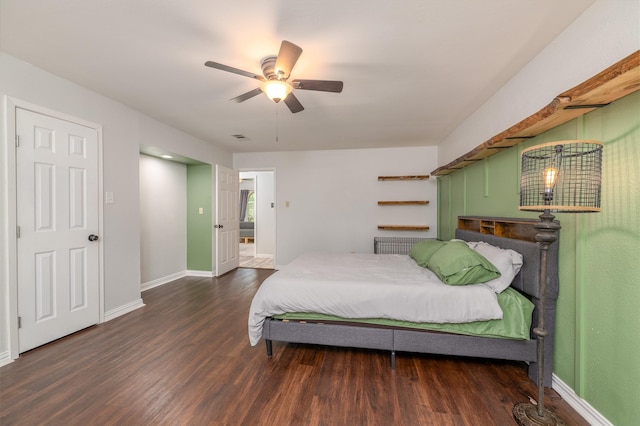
[57,216]
[227,219]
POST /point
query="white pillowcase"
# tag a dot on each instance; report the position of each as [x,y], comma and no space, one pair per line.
[508,262]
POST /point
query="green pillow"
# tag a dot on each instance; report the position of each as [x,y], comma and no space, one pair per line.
[421,252]
[457,264]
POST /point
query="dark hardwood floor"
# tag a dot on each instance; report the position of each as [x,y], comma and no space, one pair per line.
[185,359]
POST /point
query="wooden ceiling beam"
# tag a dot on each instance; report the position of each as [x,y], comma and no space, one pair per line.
[615,82]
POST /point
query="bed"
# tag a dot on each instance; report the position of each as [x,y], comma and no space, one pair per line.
[337,327]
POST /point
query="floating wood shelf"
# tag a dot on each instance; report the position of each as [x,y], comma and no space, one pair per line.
[403,203]
[417,177]
[403,228]
[615,82]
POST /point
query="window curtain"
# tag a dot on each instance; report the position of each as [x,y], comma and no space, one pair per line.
[244,196]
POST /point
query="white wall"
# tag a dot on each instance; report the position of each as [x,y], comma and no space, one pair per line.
[604,34]
[163,219]
[266,215]
[333,196]
[123,131]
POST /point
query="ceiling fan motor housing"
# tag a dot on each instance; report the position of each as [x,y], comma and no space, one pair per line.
[269,67]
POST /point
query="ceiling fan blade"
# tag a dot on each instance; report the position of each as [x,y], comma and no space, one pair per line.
[233,70]
[250,94]
[293,103]
[320,85]
[287,58]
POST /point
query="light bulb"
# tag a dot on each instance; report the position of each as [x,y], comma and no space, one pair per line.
[550,178]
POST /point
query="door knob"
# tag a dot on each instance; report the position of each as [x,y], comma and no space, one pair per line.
[218,226]
[93,237]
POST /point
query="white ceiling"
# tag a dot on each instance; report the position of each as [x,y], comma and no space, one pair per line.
[413,70]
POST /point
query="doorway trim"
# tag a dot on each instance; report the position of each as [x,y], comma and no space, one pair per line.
[11,260]
[275,201]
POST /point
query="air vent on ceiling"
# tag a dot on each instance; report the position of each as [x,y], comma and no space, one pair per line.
[240,137]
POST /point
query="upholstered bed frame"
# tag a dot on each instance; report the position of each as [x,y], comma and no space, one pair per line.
[407,340]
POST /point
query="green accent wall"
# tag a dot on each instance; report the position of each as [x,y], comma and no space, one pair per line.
[597,343]
[199,230]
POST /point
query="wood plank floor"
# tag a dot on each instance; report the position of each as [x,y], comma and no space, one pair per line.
[184,359]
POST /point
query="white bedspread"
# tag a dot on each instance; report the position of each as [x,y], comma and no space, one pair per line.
[368,286]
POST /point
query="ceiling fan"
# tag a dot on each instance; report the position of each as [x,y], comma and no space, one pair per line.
[276,71]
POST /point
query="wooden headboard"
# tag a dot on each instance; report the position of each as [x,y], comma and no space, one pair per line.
[518,235]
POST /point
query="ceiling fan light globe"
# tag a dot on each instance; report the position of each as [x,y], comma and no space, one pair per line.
[276,90]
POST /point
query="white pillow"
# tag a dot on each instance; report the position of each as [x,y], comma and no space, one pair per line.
[471,244]
[507,261]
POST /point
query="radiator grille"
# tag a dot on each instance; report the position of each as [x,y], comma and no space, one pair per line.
[394,245]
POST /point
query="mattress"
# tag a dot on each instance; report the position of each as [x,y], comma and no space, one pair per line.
[515,322]
[363,286]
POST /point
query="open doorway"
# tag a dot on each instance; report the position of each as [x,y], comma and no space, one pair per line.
[257,219]
[176,217]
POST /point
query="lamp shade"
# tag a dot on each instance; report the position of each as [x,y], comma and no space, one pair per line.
[562,176]
[276,90]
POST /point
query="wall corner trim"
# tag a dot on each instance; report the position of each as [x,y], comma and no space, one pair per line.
[5,358]
[162,280]
[205,274]
[124,309]
[583,408]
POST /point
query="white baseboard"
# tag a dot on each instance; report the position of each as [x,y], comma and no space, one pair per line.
[5,358]
[205,274]
[162,280]
[124,309]
[583,408]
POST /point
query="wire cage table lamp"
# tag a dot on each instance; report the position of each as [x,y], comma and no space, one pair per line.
[562,176]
